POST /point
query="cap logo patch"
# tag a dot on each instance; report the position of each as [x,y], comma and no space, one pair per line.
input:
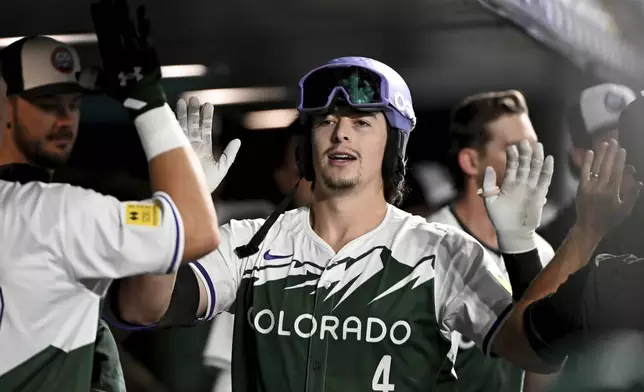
[614,102]
[62,60]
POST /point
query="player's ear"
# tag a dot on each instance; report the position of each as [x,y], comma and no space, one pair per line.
[468,160]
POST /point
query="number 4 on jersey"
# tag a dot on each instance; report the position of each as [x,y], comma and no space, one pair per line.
[380,380]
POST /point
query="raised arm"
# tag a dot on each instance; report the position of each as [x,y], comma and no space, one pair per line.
[557,307]
[131,74]
[145,299]
[553,309]
[203,288]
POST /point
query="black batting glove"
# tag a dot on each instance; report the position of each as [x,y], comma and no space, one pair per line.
[131,72]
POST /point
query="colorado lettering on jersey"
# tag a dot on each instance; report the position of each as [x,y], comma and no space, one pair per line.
[306,326]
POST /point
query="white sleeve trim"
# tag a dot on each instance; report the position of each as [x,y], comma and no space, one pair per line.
[202,275]
[177,255]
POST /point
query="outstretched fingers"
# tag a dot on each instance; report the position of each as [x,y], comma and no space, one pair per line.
[205,126]
[511,166]
[525,159]
[182,115]
[228,157]
[610,160]
[586,167]
[536,166]
[193,119]
[545,176]
[617,171]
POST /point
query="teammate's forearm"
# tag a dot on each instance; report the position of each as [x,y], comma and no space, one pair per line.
[179,174]
[144,300]
[595,301]
[573,254]
[167,300]
[175,170]
[523,268]
[512,341]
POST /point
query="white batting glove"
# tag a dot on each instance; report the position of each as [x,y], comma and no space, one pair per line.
[196,122]
[515,209]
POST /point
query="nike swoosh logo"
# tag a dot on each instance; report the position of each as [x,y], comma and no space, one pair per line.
[269,256]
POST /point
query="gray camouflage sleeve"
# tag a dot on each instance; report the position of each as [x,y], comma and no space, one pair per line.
[473,298]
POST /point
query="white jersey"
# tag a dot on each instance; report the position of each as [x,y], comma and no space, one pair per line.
[414,279]
[60,248]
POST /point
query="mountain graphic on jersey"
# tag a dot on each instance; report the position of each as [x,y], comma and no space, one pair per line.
[346,275]
[371,316]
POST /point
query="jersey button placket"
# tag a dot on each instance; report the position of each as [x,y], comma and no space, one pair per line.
[318,346]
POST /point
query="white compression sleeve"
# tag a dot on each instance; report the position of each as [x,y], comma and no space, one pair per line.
[159,131]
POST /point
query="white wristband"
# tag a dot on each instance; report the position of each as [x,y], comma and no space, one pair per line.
[516,242]
[159,131]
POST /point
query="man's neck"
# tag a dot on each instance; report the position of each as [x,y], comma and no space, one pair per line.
[10,156]
[470,211]
[339,219]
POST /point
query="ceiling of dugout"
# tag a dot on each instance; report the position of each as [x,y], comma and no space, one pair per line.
[443,48]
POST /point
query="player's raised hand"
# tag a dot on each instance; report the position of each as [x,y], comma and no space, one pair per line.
[515,208]
[607,191]
[196,122]
[131,71]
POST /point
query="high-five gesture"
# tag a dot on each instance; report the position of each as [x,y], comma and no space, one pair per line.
[196,122]
[515,209]
[607,191]
[131,71]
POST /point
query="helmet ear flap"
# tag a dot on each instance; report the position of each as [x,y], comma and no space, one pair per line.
[394,160]
[401,162]
[401,158]
[303,156]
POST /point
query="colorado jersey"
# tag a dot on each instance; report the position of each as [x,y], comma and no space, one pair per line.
[376,316]
[60,248]
[477,373]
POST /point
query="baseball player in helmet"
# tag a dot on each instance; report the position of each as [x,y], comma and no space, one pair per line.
[350,293]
